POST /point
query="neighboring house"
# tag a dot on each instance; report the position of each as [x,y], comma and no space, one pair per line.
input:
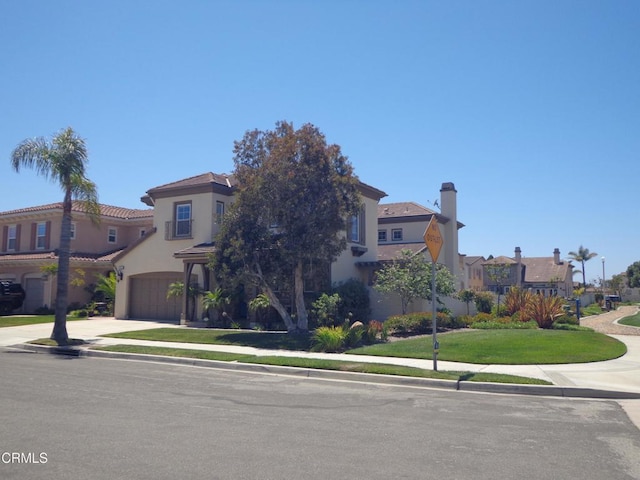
[187,215]
[401,226]
[473,276]
[548,276]
[30,238]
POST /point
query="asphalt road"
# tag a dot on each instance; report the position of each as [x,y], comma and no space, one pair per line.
[111,419]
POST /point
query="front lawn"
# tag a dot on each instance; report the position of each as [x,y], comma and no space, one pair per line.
[267,340]
[632,321]
[506,347]
[16,321]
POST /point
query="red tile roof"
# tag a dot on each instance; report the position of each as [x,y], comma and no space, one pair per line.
[197,180]
[105,210]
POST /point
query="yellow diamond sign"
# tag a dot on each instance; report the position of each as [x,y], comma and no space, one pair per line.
[433,239]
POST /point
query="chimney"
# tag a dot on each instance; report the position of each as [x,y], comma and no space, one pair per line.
[518,254]
[556,256]
[518,267]
[449,209]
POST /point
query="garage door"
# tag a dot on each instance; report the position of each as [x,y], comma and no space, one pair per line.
[34,299]
[148,297]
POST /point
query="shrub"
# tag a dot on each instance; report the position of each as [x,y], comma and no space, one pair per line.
[375,331]
[325,309]
[482,317]
[544,310]
[484,302]
[328,339]
[465,320]
[494,325]
[353,335]
[499,311]
[355,300]
[516,299]
[567,320]
[409,324]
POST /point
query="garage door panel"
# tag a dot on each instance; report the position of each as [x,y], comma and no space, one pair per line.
[148,298]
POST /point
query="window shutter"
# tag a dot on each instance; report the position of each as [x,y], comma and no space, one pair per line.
[18,229]
[34,227]
[47,236]
[363,228]
[5,236]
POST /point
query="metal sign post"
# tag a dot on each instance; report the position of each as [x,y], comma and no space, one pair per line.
[433,241]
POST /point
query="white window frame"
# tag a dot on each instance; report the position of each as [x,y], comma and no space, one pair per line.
[219,211]
[382,235]
[183,217]
[41,235]
[394,236]
[12,229]
[112,232]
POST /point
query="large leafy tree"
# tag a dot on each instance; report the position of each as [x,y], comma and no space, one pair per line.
[633,275]
[409,276]
[582,255]
[295,194]
[63,160]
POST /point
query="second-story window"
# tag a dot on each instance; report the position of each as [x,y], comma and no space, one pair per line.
[12,238]
[382,235]
[73,231]
[41,235]
[183,220]
[354,230]
[396,234]
[219,212]
[112,235]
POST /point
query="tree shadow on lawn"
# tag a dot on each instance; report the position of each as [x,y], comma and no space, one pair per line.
[268,340]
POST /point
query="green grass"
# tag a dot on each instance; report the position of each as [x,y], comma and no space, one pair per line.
[632,321]
[267,340]
[14,321]
[375,368]
[507,347]
[52,343]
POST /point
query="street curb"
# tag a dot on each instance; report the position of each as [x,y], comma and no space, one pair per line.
[397,380]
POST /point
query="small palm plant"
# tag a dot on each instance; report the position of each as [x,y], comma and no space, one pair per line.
[259,305]
[216,300]
[544,310]
[516,300]
[176,289]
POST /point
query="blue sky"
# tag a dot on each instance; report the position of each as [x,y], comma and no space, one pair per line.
[531,108]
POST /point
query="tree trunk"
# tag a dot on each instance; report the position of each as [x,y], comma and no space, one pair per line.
[59,333]
[301,309]
[275,303]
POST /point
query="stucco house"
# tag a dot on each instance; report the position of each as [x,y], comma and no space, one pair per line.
[548,276]
[31,237]
[187,215]
[473,275]
[401,226]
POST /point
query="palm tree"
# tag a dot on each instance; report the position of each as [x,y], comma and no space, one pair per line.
[62,160]
[582,255]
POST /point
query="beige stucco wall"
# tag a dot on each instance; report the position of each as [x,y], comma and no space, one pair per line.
[155,253]
[344,268]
